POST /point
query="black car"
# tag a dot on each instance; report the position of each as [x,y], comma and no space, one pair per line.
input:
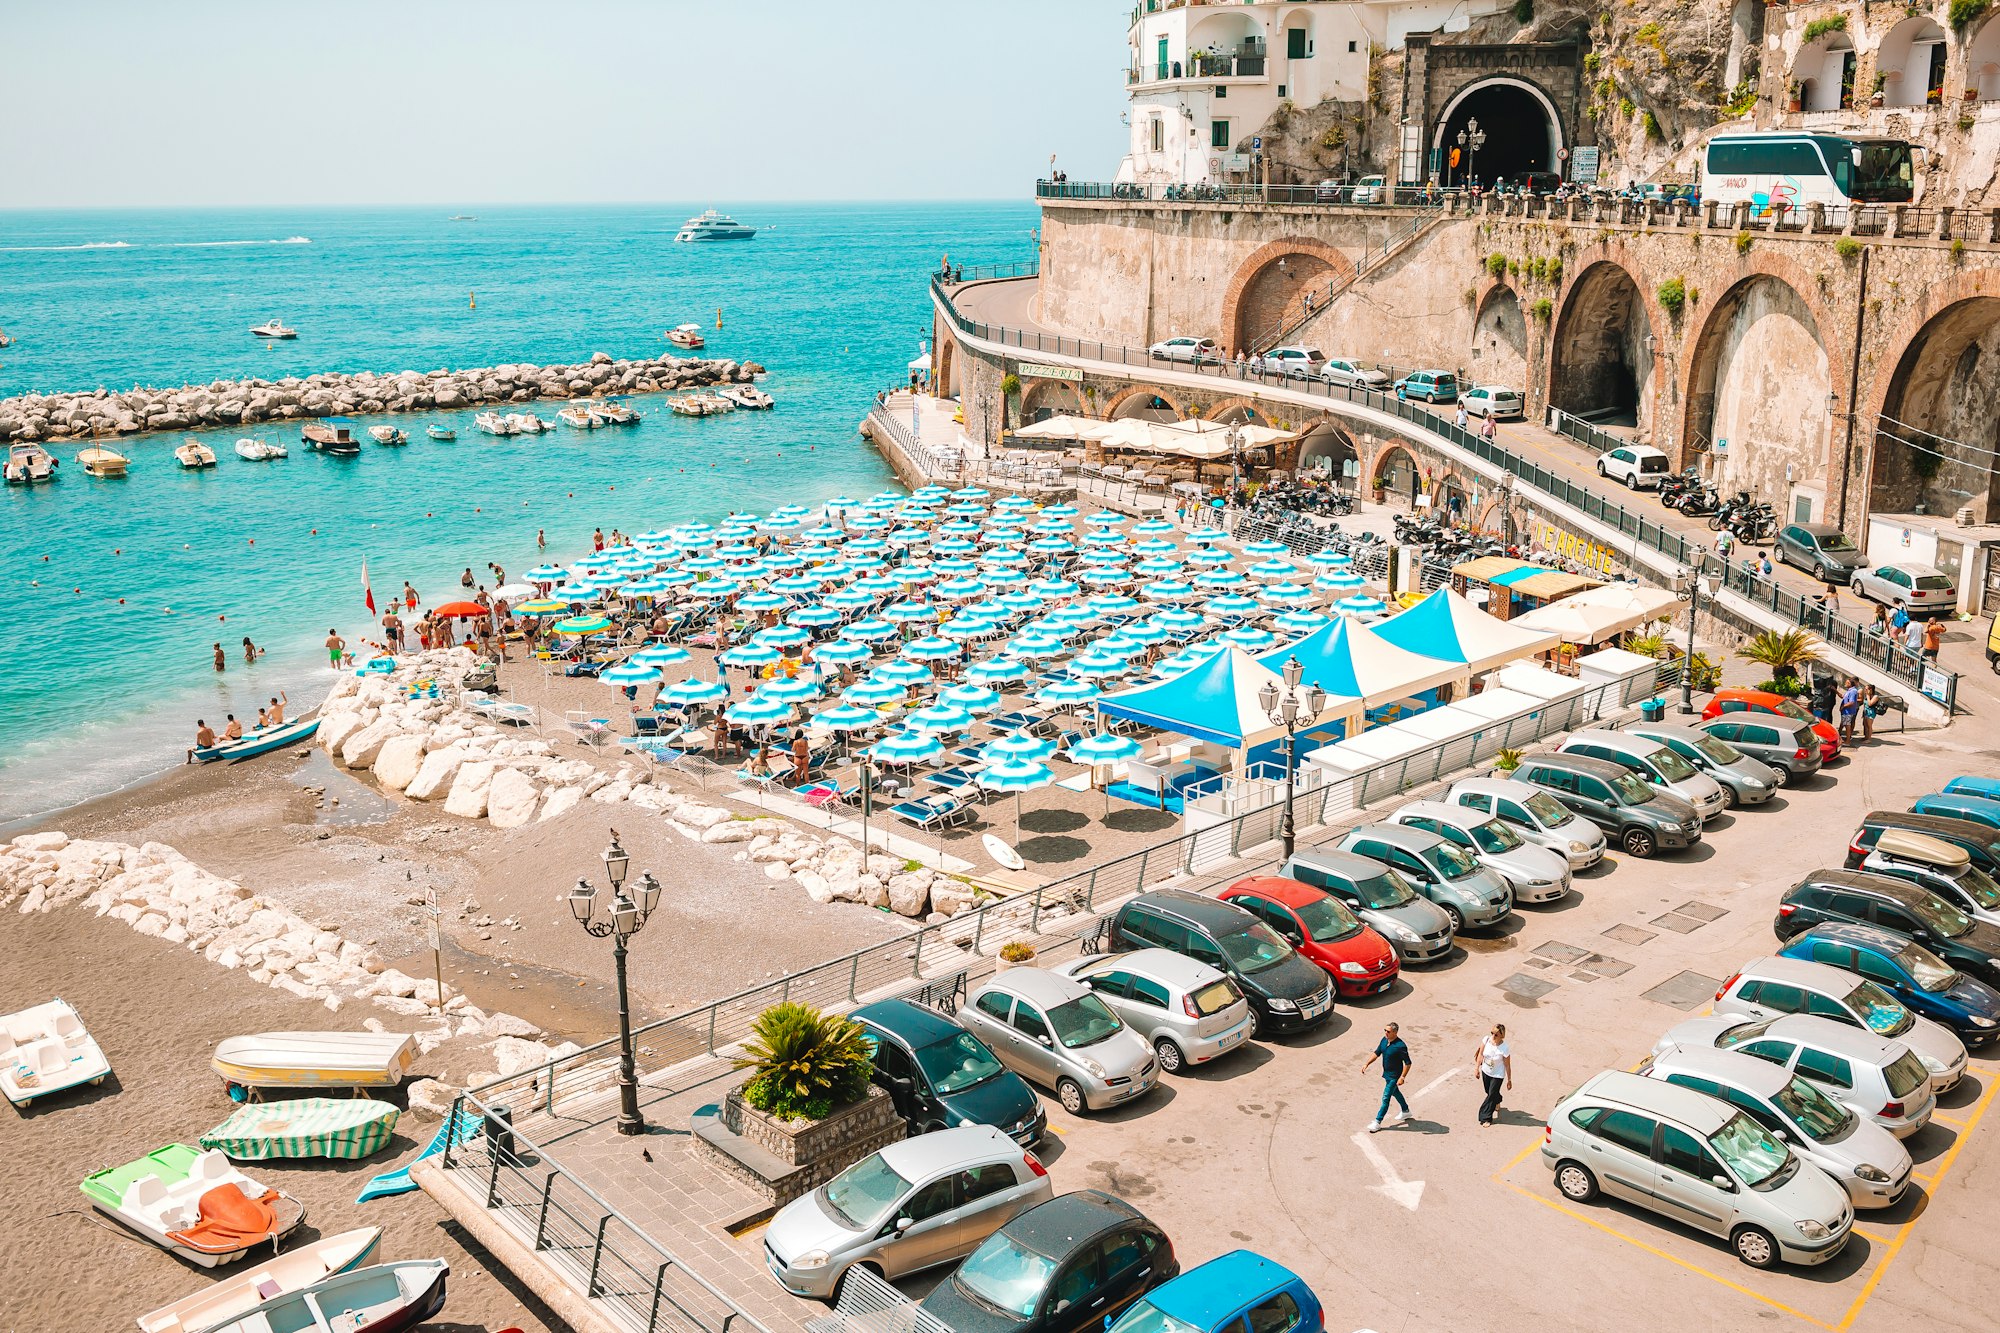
[1287,993]
[1858,898]
[940,1076]
[1976,840]
[1063,1266]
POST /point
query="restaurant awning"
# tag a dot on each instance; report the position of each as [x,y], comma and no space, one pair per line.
[1214,701]
[1346,658]
[1447,627]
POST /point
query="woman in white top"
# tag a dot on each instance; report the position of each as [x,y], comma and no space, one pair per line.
[1496,1071]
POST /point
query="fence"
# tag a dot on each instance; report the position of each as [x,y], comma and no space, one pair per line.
[1583,432]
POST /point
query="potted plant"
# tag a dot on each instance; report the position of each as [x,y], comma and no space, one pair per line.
[1875,97]
[1784,651]
[1793,98]
[805,1064]
[1015,953]
[1378,488]
[1506,761]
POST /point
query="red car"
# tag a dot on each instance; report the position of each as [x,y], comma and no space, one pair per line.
[1762,701]
[1322,929]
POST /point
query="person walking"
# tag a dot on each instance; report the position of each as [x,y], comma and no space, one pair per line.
[1913,637]
[1899,619]
[1871,708]
[1933,638]
[1496,1071]
[1850,708]
[1460,419]
[1765,567]
[1395,1058]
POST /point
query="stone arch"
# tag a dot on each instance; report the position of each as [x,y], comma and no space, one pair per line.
[1982,60]
[947,365]
[1824,71]
[1500,337]
[1326,440]
[1395,466]
[1264,293]
[1047,398]
[1911,60]
[1936,406]
[1519,119]
[1444,489]
[1600,366]
[1143,401]
[1240,412]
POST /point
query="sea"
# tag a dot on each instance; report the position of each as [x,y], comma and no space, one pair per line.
[118,590]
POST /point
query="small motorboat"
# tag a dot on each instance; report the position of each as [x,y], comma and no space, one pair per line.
[493,423]
[29,465]
[612,412]
[315,1060]
[335,435]
[437,432]
[46,1049]
[194,1204]
[685,335]
[275,328]
[387,1298]
[345,1128]
[98,461]
[526,423]
[747,395]
[258,451]
[282,1275]
[194,455]
[388,435]
[578,416]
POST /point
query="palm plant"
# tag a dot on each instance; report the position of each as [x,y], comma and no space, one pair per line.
[1784,651]
[807,1063]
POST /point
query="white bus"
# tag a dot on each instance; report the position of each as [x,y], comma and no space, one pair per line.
[1790,171]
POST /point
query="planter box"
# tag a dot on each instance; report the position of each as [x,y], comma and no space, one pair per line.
[784,1159]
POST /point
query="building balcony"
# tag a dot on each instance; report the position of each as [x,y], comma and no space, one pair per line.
[1203,67]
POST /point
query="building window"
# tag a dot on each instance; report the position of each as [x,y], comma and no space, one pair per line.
[1218,134]
[1159,133]
[1222,90]
[1295,44]
[1281,90]
[1350,48]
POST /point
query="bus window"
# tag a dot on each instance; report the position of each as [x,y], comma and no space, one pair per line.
[1885,173]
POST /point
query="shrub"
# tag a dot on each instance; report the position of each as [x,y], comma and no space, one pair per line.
[1704,672]
[1847,247]
[1742,242]
[1673,296]
[1652,124]
[1010,384]
[1591,62]
[1789,686]
[1819,28]
[1963,13]
[1496,264]
[1652,644]
[1784,651]
[1957,250]
[1555,271]
[1017,952]
[1543,308]
[1626,109]
[807,1064]
[1507,760]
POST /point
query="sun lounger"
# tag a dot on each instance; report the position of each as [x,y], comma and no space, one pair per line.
[589,730]
[1015,721]
[828,796]
[934,812]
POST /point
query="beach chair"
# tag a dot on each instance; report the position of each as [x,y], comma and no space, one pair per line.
[593,731]
[645,725]
[828,796]
[930,813]
[952,779]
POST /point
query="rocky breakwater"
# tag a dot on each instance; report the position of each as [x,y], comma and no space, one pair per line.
[71,416]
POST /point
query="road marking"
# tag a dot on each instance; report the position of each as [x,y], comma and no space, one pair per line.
[1405,1192]
[1440,1081]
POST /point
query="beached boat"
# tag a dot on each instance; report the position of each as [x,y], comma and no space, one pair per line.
[713,226]
[437,432]
[97,461]
[493,423]
[334,435]
[29,465]
[195,455]
[747,395]
[526,423]
[46,1049]
[257,451]
[194,1204]
[685,335]
[387,1298]
[315,1059]
[388,435]
[274,328]
[293,1271]
[577,416]
[261,741]
[347,1128]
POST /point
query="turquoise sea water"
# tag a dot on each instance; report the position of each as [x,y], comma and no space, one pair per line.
[118,589]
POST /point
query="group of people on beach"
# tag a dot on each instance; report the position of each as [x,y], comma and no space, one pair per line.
[268,717]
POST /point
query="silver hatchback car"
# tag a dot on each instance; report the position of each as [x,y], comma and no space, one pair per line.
[1536,816]
[1536,874]
[917,1203]
[1443,872]
[1189,1011]
[1054,1031]
[1744,781]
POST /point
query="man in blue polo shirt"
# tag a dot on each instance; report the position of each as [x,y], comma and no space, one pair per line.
[1395,1058]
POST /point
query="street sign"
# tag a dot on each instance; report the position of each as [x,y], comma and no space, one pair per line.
[1562,154]
[1257,144]
[1583,165]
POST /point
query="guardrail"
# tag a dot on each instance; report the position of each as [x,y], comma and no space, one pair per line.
[1583,432]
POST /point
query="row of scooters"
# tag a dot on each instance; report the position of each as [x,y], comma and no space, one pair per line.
[1746,519]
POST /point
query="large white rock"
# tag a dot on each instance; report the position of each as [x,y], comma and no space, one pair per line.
[816,888]
[430,1099]
[401,757]
[560,802]
[910,895]
[42,842]
[468,790]
[736,830]
[334,731]
[951,896]
[703,816]
[435,777]
[510,799]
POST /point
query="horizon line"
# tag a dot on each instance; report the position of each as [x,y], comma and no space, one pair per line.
[500,205]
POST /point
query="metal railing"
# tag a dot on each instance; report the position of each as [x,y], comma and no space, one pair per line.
[1407,197]
[1583,432]
[921,456]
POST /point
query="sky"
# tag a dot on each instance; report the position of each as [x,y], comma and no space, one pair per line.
[210,103]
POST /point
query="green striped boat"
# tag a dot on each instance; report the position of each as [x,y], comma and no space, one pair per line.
[345,1128]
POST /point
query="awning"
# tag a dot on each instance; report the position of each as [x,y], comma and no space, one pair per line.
[1057,428]
[1523,577]
[1448,628]
[1600,612]
[921,363]
[1349,659]
[1214,701]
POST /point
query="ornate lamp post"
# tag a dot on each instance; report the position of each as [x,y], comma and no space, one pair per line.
[1287,710]
[622,919]
[1471,139]
[1691,588]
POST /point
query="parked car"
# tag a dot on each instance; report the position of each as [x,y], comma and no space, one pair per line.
[1653,761]
[1323,929]
[1699,1162]
[1196,350]
[1907,970]
[1640,466]
[1769,987]
[1490,400]
[1536,816]
[1920,589]
[1533,873]
[1189,1011]
[1294,363]
[1790,749]
[1822,550]
[1639,817]
[1433,386]
[1977,841]
[1744,781]
[1860,897]
[1228,1294]
[1971,784]
[1370,190]
[1345,370]
[1417,927]
[1053,1030]
[1060,1267]
[1442,871]
[1738,699]
[912,1205]
[1536,182]
[1860,1156]
[1877,1077]
[1959,805]
[940,1076]
[1937,870]
[1286,993]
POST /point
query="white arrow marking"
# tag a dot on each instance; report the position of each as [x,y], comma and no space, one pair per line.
[1405,1192]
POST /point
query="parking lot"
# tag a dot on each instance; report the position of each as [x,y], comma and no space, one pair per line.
[1439,1223]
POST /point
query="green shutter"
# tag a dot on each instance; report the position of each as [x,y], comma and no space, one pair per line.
[1295,43]
[1218,134]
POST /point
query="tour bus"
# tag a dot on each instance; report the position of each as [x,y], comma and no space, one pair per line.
[1793,170]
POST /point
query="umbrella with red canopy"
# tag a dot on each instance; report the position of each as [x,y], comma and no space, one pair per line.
[460,610]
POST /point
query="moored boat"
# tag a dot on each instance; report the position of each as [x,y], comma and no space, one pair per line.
[193,455]
[437,432]
[98,461]
[334,435]
[293,1271]
[261,741]
[685,335]
[526,423]
[387,1298]
[315,1059]
[614,412]
[29,465]
[256,451]
[344,1128]
[493,423]
[388,435]
[274,328]
[577,416]
[194,1204]
[747,395]
[46,1049]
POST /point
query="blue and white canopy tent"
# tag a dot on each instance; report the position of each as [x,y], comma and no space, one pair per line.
[1349,659]
[1447,628]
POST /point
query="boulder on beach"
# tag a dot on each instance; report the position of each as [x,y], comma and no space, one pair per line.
[399,761]
[510,798]
[437,773]
[468,790]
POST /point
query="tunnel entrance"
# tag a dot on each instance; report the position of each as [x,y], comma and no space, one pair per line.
[1519,128]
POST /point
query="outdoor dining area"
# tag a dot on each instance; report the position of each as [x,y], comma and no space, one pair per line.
[1149,455]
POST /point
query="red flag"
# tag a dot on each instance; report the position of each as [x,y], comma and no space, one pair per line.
[367,593]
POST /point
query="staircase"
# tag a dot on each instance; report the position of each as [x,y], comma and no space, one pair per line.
[1323,296]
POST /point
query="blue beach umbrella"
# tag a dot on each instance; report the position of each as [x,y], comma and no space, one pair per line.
[1104,578]
[658,655]
[848,599]
[1361,606]
[814,617]
[1032,647]
[1018,746]
[684,693]
[1219,578]
[1112,604]
[1020,601]
[995,671]
[1250,638]
[941,718]
[1054,589]
[1207,535]
[1068,694]
[751,654]
[1168,590]
[972,698]
[932,648]
[763,601]
[907,748]
[1017,776]
[1296,623]
[1104,748]
[797,690]
[627,674]
[847,717]
[843,652]
[1267,571]
[869,631]
[1233,606]
[1099,665]
[1285,594]
[1177,623]
[782,636]
[546,574]
[1267,550]
[757,711]
[872,692]
[901,671]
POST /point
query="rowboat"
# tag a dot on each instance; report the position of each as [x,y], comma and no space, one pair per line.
[305,1127]
[315,1059]
[195,455]
[46,1049]
[292,1271]
[28,464]
[194,1204]
[261,741]
[335,435]
[437,432]
[256,451]
[388,1298]
[100,462]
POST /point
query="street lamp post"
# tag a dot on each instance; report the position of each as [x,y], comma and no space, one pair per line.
[1691,588]
[1287,710]
[621,921]
[1471,139]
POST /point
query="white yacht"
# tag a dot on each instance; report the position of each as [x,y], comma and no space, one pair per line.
[29,464]
[714,226]
[493,423]
[276,328]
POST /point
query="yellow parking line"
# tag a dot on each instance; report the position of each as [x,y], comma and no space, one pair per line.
[1923,1180]
[1875,1236]
[1519,1158]
[1947,1120]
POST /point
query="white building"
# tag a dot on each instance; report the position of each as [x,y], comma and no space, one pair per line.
[1206,74]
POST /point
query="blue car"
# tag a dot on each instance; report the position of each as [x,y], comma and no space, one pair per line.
[1960,805]
[1221,1295]
[1965,784]
[1912,973]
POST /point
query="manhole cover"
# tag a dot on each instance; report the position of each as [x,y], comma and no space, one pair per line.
[1684,990]
[1603,965]
[1538,962]
[1525,986]
[1562,953]
[1630,934]
[1702,911]
[1583,976]
[1680,925]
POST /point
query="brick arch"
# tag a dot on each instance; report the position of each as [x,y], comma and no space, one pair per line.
[1384,455]
[1125,395]
[1758,265]
[1954,318]
[1338,266]
[1262,409]
[1573,304]
[1060,396]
